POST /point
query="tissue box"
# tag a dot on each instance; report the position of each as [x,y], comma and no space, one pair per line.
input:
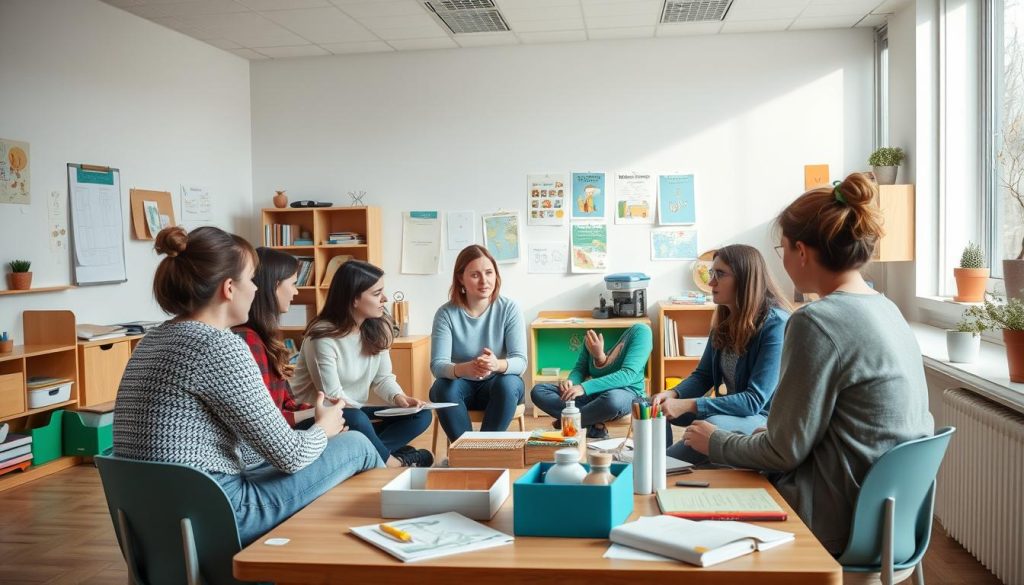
[475,493]
[572,511]
[694,346]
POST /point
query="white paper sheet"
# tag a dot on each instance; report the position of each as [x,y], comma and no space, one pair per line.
[97,224]
[461,231]
[421,242]
[547,258]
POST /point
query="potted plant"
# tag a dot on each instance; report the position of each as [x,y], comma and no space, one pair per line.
[20,277]
[972,275]
[964,342]
[1009,317]
[886,162]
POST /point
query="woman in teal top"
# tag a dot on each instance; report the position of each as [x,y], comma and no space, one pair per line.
[616,380]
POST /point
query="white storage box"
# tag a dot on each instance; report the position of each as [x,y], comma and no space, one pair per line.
[473,492]
[694,346]
[47,395]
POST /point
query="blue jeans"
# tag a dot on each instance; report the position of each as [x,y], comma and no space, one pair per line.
[736,424]
[390,433]
[497,396]
[594,408]
[263,497]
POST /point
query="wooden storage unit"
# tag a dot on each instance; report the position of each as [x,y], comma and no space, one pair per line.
[101,364]
[558,344]
[49,350]
[896,203]
[410,361]
[691,321]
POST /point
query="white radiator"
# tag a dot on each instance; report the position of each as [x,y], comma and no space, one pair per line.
[980,500]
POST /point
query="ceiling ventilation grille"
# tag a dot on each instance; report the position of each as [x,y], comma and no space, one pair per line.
[468,16]
[694,10]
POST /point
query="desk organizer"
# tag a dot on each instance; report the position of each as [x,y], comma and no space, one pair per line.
[571,511]
[474,493]
[87,433]
[46,443]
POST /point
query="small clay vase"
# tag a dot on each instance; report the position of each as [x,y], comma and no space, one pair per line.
[280,200]
[21,280]
[6,346]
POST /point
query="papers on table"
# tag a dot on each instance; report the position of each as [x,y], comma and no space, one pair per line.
[403,411]
[433,536]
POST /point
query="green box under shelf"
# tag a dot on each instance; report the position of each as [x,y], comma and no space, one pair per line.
[88,435]
[46,440]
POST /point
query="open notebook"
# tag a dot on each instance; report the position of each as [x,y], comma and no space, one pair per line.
[433,536]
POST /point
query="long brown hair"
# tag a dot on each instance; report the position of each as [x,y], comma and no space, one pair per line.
[275,267]
[457,293]
[335,320]
[197,263]
[756,295]
[840,222]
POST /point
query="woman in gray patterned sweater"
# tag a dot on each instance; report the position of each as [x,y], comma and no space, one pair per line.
[192,394]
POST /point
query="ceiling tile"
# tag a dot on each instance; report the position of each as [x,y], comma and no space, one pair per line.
[824,22]
[248,29]
[534,4]
[249,54]
[547,25]
[531,38]
[891,6]
[123,3]
[187,8]
[224,44]
[684,29]
[873,20]
[193,30]
[620,21]
[545,13]
[764,4]
[397,21]
[283,4]
[423,44]
[645,7]
[350,48]
[778,13]
[412,32]
[372,8]
[756,26]
[321,25]
[488,39]
[633,32]
[286,52]
[851,8]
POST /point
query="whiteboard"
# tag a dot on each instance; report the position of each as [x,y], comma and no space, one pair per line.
[97,225]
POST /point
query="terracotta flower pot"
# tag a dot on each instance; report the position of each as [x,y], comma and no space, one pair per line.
[970,284]
[1014,341]
[280,200]
[20,280]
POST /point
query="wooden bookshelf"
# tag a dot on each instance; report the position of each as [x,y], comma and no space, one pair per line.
[690,321]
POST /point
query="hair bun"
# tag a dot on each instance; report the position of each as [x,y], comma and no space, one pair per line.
[171,241]
[858,190]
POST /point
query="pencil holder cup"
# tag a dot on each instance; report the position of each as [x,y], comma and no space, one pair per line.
[642,456]
[7,346]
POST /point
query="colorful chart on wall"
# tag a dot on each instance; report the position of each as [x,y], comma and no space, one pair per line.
[673,244]
[501,236]
[588,196]
[676,201]
[15,186]
[545,199]
[589,247]
[635,195]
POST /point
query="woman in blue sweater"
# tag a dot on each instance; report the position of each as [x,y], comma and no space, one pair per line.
[743,353]
[478,348]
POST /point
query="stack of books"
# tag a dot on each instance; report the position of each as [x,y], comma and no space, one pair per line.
[96,332]
[305,277]
[15,451]
[670,337]
[279,234]
[345,238]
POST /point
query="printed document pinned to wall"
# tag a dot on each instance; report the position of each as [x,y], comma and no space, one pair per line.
[96,224]
[461,229]
[421,242]
[196,208]
[548,258]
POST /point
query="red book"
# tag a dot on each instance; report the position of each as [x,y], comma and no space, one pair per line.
[752,504]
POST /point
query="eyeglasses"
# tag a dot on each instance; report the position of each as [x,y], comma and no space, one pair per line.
[719,274]
[778,250]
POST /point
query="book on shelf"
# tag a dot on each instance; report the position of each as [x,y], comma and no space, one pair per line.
[15,452]
[305,274]
[720,504]
[698,543]
[10,463]
[14,441]
[95,332]
[433,536]
[280,234]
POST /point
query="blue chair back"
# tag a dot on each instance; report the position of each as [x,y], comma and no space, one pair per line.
[906,475]
[174,522]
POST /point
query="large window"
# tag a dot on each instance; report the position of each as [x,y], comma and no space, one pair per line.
[881,86]
[1005,120]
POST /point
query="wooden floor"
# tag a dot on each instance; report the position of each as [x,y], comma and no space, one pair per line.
[57,530]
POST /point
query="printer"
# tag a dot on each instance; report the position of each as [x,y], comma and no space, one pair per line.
[629,293]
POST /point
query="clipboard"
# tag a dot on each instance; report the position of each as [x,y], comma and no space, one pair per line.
[96,225]
[163,203]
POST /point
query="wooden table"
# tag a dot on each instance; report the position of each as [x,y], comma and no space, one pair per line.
[322,551]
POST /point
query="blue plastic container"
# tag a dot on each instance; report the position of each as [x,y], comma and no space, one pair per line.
[571,511]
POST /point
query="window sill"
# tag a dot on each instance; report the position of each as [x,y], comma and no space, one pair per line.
[989,376]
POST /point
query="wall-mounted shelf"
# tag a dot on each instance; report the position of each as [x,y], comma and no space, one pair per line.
[42,289]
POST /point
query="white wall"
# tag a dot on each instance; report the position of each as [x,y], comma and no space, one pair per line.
[84,82]
[453,130]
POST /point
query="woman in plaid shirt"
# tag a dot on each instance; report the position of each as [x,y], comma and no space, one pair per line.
[275,279]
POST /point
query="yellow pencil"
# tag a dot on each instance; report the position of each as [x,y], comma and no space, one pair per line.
[398,533]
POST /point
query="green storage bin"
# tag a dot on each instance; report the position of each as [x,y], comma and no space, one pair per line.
[46,440]
[88,434]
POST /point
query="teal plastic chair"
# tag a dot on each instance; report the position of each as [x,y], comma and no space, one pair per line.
[892,520]
[174,523]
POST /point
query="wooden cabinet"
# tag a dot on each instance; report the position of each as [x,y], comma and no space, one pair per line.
[101,365]
[690,321]
[896,202]
[556,338]
[410,361]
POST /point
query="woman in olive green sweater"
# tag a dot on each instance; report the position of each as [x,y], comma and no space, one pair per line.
[603,384]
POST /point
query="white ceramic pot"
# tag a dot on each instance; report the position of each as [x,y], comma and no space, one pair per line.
[963,347]
[886,175]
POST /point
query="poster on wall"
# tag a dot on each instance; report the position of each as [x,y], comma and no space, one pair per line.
[501,236]
[635,195]
[676,200]
[421,242]
[196,207]
[545,199]
[589,247]
[588,196]
[460,231]
[14,172]
[547,258]
[674,244]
